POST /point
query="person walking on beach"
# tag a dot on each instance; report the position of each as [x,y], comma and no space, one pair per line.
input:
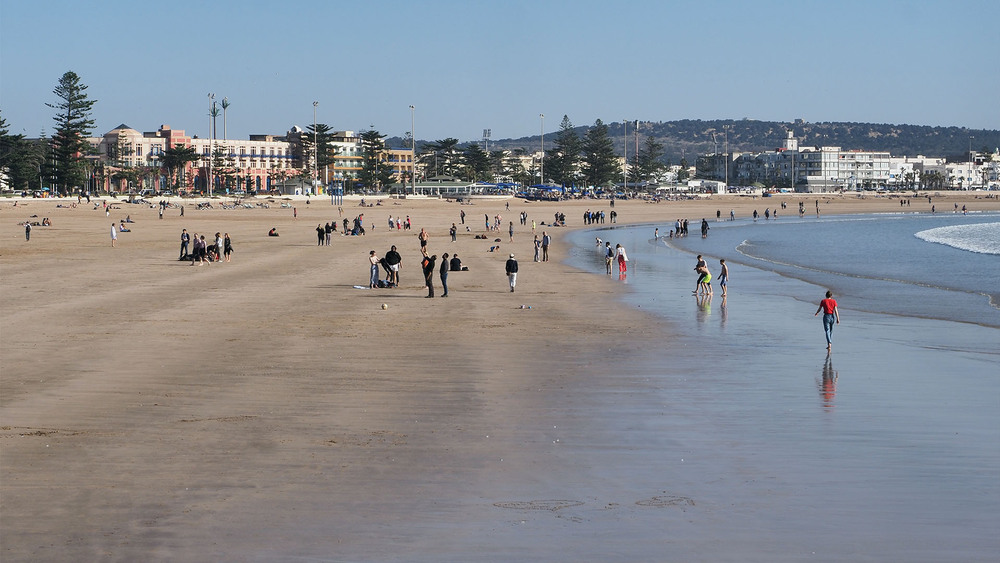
[622,259]
[831,315]
[609,256]
[443,273]
[546,239]
[114,236]
[428,265]
[723,276]
[27,231]
[185,241]
[373,270]
[453,232]
[510,231]
[511,269]
[423,236]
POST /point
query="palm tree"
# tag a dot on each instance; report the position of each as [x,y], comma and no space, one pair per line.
[443,155]
[175,159]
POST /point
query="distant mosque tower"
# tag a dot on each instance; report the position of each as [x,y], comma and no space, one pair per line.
[791,143]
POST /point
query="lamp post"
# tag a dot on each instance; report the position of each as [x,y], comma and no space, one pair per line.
[541,166]
[726,129]
[315,155]
[971,159]
[211,136]
[625,156]
[413,156]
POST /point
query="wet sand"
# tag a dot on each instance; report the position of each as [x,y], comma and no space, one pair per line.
[266,410]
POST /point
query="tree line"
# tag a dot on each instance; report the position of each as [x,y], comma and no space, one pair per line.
[579,156]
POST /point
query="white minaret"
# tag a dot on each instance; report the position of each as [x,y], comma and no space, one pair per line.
[791,143]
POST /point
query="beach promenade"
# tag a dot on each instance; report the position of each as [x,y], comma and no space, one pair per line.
[267,409]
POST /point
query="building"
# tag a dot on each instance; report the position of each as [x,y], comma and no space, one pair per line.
[128,161]
[806,169]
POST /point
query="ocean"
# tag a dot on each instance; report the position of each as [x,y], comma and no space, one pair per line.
[885,449]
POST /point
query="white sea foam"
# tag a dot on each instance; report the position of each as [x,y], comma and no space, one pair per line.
[983,238]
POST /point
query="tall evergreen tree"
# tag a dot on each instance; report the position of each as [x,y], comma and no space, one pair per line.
[600,164]
[562,162]
[648,163]
[324,140]
[375,172]
[73,126]
[224,168]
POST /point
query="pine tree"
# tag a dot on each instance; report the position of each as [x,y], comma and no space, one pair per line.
[375,171]
[562,163]
[73,126]
[600,163]
[648,163]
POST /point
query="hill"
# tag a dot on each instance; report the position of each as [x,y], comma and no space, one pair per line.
[688,138]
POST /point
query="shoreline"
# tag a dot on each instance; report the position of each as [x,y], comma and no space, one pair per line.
[264,409]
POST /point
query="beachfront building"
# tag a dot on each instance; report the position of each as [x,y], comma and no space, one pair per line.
[905,172]
[805,169]
[127,161]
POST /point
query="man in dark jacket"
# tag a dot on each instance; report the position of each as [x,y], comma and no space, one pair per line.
[393,260]
[511,268]
[428,265]
[443,273]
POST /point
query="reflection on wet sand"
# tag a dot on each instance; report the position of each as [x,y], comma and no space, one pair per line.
[828,385]
[704,303]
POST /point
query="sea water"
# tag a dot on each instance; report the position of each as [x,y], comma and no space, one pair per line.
[885,449]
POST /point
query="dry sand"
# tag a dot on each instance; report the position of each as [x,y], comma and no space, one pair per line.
[265,409]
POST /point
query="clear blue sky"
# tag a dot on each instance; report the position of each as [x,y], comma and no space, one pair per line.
[471,65]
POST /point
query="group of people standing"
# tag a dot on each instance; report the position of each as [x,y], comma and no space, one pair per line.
[196,248]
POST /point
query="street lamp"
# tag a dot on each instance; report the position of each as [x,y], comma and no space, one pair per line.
[726,128]
[971,159]
[315,149]
[541,166]
[211,137]
[413,156]
[625,156]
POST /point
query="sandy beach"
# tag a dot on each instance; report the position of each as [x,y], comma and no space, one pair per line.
[266,409]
